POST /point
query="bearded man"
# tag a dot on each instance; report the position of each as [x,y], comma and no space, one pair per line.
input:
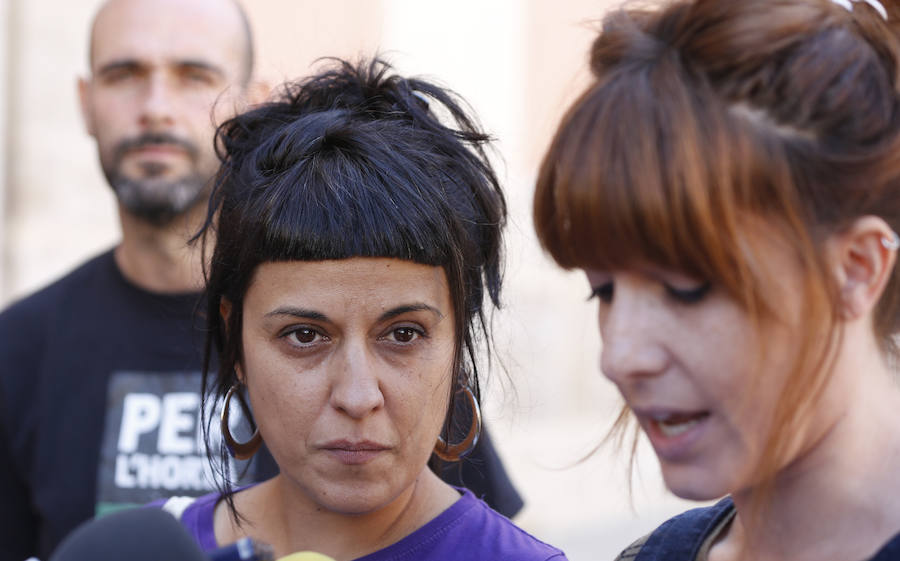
[99,388]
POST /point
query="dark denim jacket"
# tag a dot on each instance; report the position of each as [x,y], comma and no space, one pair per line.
[680,538]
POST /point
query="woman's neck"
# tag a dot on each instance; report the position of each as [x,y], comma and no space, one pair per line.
[278,513]
[837,499]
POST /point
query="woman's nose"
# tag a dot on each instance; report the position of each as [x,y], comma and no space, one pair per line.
[632,333]
[356,390]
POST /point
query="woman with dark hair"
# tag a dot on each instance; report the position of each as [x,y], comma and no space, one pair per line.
[357,239]
[730,184]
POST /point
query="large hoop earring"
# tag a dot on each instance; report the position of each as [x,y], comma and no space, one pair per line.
[239,450]
[453,452]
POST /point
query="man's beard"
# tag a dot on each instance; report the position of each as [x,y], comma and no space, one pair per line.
[151,197]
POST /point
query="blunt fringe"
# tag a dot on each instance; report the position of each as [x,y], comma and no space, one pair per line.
[354,162]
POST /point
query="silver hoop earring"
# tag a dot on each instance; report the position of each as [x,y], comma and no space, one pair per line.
[453,452]
[892,243]
[239,450]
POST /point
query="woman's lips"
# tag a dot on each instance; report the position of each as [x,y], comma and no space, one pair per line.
[354,453]
[673,434]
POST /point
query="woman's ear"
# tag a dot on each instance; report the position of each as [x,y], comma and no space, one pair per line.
[225,313]
[862,258]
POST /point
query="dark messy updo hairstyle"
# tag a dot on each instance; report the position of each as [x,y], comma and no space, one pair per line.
[354,162]
[708,117]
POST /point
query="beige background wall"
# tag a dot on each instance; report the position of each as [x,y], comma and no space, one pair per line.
[519,63]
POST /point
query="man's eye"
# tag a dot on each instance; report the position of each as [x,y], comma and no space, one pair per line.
[689,295]
[198,77]
[117,75]
[603,292]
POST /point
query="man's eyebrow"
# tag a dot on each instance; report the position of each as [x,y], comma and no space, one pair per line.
[415,307]
[201,65]
[132,64]
[128,64]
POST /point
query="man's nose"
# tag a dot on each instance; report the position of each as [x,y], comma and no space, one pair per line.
[158,103]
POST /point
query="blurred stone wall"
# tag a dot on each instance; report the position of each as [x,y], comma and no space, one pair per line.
[519,63]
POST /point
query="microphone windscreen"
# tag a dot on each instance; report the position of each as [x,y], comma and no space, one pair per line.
[305,556]
[139,534]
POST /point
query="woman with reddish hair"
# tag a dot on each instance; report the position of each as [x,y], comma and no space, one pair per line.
[730,184]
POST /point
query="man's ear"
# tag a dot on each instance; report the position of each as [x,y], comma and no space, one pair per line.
[257,91]
[862,259]
[225,313]
[87,113]
[236,99]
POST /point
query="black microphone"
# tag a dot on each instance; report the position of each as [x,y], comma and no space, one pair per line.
[147,534]
[138,534]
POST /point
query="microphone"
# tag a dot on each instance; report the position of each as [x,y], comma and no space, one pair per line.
[148,534]
[245,549]
[305,556]
[139,534]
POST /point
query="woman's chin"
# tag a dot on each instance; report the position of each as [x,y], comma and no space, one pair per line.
[694,484]
[353,499]
[350,505]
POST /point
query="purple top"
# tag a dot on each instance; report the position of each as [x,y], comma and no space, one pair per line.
[469,529]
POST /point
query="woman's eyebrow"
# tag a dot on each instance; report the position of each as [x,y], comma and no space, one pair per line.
[297,312]
[415,307]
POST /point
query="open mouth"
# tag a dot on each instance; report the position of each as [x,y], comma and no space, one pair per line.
[675,424]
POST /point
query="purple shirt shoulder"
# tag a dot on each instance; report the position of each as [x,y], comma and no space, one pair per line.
[469,529]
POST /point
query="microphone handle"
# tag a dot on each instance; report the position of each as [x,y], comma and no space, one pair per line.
[306,556]
[245,549]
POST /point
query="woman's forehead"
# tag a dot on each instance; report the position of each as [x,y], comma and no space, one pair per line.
[359,282]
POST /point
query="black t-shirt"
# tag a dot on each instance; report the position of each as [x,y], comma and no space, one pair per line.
[99,403]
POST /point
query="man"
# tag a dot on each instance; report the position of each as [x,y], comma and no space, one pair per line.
[100,371]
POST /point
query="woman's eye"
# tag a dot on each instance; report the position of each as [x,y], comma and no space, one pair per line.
[689,295]
[304,335]
[603,292]
[404,334]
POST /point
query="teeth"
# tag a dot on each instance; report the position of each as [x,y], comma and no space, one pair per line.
[674,429]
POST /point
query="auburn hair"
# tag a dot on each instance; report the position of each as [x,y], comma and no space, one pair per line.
[706,114]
